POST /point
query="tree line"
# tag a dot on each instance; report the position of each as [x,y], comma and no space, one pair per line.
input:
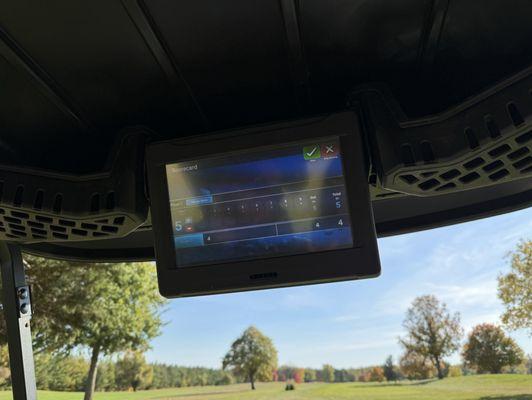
[487,350]
[114,310]
[432,334]
[129,372]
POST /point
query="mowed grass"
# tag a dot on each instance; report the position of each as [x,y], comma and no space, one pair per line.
[483,387]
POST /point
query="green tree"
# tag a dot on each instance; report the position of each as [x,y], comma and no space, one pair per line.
[5,372]
[224,378]
[61,372]
[252,356]
[106,308]
[327,373]
[310,375]
[389,369]
[106,376]
[132,371]
[432,332]
[415,366]
[488,349]
[161,376]
[515,289]
[455,371]
[69,373]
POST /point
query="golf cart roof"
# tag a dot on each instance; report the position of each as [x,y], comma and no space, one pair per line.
[80,76]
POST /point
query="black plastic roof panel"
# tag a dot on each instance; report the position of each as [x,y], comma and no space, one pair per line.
[76,75]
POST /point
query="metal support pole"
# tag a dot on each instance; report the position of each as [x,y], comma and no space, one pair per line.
[17,312]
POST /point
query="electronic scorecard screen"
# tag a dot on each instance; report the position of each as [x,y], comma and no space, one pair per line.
[290,199]
[262,207]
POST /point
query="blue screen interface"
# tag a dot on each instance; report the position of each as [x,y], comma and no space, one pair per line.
[264,203]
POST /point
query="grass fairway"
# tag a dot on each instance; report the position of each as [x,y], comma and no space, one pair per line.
[484,387]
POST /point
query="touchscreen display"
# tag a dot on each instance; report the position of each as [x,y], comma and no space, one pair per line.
[264,203]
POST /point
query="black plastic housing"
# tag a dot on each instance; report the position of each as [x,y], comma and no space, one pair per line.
[357,262]
[484,141]
[37,206]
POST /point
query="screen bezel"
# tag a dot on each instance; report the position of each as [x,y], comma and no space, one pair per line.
[278,271]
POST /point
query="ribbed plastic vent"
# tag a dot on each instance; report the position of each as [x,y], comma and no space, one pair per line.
[29,226]
[486,140]
[37,206]
[504,159]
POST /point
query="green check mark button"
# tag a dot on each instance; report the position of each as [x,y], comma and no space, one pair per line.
[311,152]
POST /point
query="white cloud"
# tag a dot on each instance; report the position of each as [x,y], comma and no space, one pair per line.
[482,293]
[347,318]
[459,264]
[300,298]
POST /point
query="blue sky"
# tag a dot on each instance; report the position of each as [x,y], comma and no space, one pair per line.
[353,324]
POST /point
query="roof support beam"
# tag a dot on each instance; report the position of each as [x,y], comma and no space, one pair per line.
[17,57]
[298,64]
[140,16]
[434,22]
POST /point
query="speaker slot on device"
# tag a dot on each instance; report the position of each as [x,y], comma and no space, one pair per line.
[472,140]
[473,176]
[518,153]
[474,163]
[427,185]
[523,163]
[58,203]
[515,115]
[499,174]
[492,127]
[499,151]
